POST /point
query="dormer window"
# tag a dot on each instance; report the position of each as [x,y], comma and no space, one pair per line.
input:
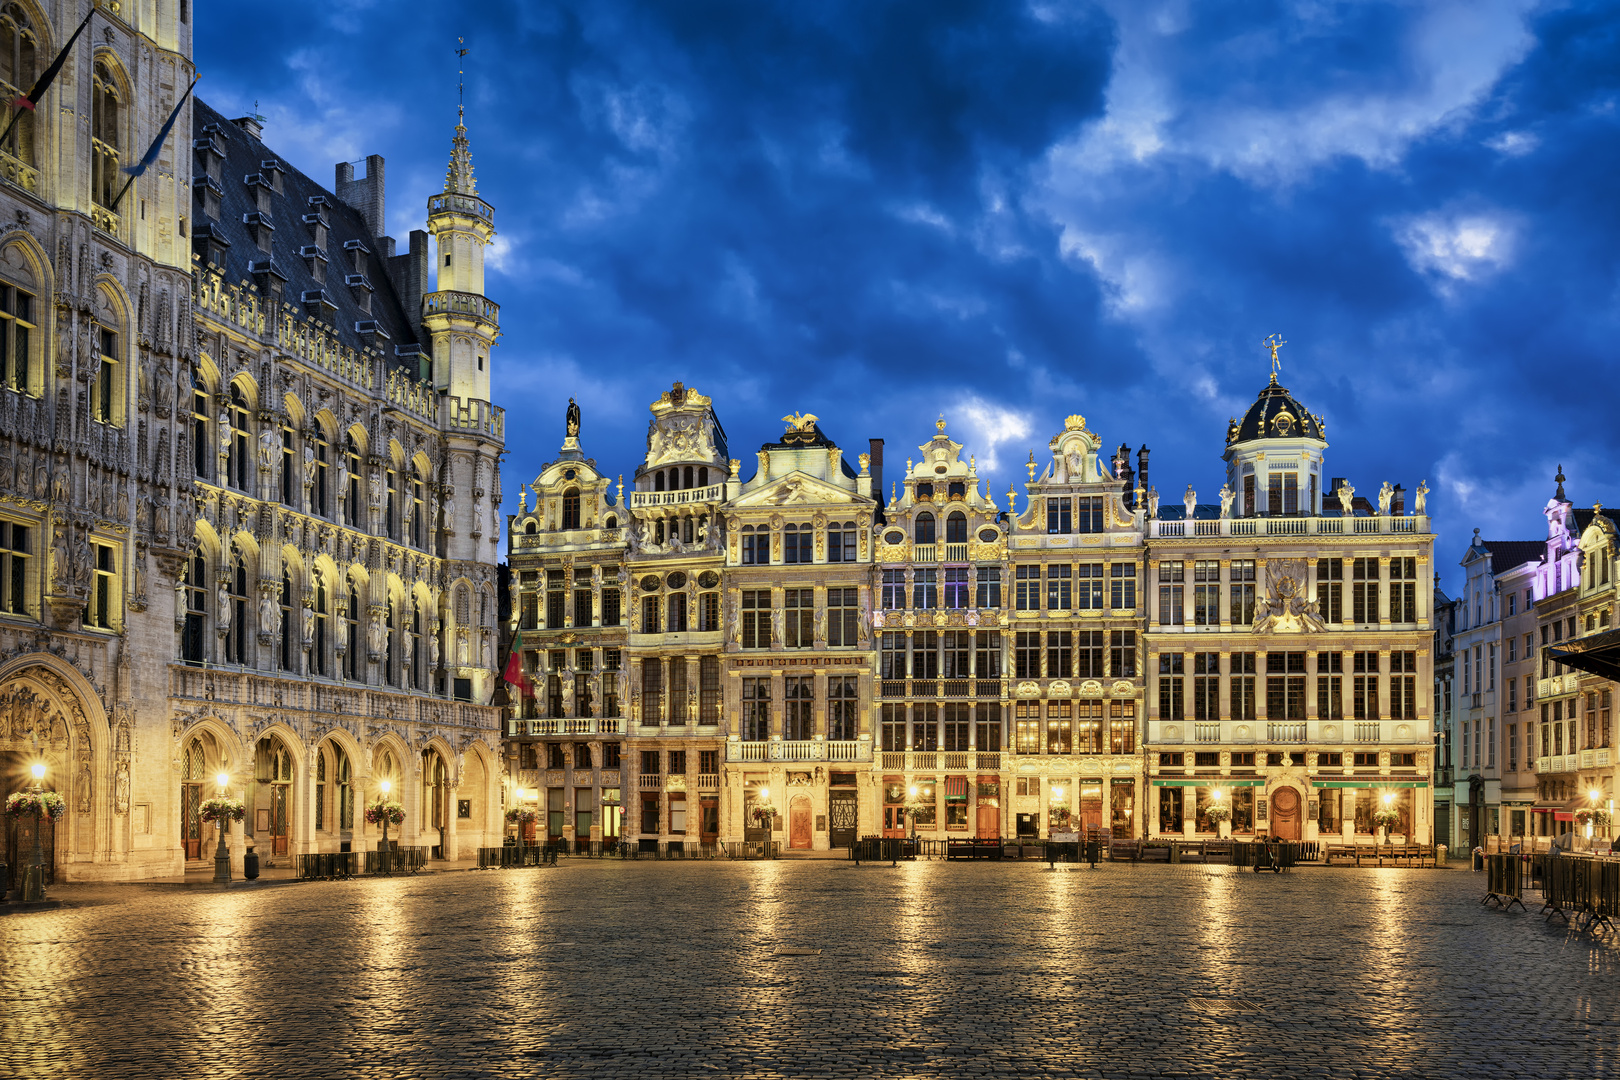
[357,255]
[262,190]
[270,169]
[925,492]
[360,289]
[260,228]
[315,259]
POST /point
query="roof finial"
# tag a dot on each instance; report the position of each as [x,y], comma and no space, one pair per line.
[1274,342]
[459,179]
[1560,480]
[940,423]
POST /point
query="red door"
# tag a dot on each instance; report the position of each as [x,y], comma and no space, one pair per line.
[799,825]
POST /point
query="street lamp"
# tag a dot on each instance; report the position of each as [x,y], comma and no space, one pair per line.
[1591,819]
[222,854]
[911,801]
[34,882]
[388,862]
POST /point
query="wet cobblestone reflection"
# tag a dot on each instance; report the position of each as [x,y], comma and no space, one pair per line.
[668,970]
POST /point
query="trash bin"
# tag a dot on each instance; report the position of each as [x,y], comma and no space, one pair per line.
[1092,852]
[250,865]
[1479,859]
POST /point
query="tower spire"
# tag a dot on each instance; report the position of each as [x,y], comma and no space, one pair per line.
[459,178]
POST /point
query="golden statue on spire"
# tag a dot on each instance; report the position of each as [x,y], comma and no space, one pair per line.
[1274,342]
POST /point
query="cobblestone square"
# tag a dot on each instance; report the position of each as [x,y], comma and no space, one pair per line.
[596,969]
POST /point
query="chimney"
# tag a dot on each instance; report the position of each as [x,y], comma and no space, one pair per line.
[250,124]
[1123,473]
[874,450]
[409,274]
[1398,504]
[1141,467]
[365,194]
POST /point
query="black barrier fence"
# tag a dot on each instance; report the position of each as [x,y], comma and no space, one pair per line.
[1581,888]
[889,849]
[334,865]
[1275,855]
[750,849]
[1504,880]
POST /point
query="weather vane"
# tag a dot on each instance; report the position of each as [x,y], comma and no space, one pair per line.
[461,71]
[1274,342]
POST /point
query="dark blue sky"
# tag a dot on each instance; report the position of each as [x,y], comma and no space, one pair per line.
[1009,213]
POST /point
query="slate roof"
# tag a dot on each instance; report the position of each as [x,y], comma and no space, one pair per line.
[246,155]
[1260,422]
[1506,554]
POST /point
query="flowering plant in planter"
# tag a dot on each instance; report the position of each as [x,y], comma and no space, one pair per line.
[763,815]
[1593,816]
[221,810]
[523,815]
[1219,812]
[44,803]
[391,812]
[1386,817]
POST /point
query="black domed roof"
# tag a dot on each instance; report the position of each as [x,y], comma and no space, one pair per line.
[1276,415]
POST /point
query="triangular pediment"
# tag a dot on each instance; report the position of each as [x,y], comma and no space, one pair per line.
[795,489]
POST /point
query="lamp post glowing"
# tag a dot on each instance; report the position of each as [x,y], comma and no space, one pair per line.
[388,862]
[34,880]
[1591,819]
[222,853]
[911,807]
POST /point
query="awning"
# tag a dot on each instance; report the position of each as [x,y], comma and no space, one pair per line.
[1372,782]
[1598,654]
[1210,781]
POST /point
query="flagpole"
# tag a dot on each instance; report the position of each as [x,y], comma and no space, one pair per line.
[157,143]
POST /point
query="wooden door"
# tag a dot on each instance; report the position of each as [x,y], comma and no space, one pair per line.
[21,844]
[1285,814]
[799,825]
[989,808]
[191,819]
[842,812]
[278,818]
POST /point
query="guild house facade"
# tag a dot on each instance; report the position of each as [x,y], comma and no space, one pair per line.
[703,648]
[248,473]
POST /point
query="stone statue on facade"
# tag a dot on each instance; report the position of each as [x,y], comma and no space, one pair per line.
[1227,495]
[1153,502]
[1386,494]
[269,611]
[1421,499]
[572,418]
[1190,501]
[1346,495]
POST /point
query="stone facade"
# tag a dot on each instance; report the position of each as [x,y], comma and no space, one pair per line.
[250,494]
[800,658]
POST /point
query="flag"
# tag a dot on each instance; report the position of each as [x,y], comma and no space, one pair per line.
[514,669]
[43,83]
[157,144]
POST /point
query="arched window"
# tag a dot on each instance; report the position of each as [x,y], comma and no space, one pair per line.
[320,790]
[353,512]
[703,476]
[345,787]
[317,650]
[291,474]
[193,779]
[418,509]
[317,486]
[956,529]
[658,480]
[688,476]
[105,397]
[528,528]
[351,636]
[200,442]
[292,632]
[16,336]
[236,636]
[239,463]
[570,509]
[611,523]
[193,637]
[391,504]
[925,529]
[390,652]
[105,116]
[19,47]
[413,651]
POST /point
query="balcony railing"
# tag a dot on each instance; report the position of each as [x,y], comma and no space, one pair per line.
[1369,731]
[650,782]
[800,750]
[931,761]
[951,688]
[263,688]
[564,726]
[956,553]
[1289,526]
[708,782]
[924,553]
[461,303]
[1291,732]
[712,493]
[1207,733]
